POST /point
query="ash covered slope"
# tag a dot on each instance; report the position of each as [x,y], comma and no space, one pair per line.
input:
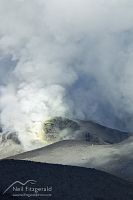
[67,182]
[115,159]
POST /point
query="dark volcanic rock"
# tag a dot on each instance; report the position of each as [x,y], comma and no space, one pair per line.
[68,183]
[53,127]
[10,136]
[59,123]
[0,130]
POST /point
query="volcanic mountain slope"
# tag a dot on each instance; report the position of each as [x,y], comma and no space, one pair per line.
[67,182]
[58,129]
[114,159]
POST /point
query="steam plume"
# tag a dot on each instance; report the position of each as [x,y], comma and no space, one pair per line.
[65,58]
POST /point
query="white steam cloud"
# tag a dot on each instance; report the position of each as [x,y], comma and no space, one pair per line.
[65,58]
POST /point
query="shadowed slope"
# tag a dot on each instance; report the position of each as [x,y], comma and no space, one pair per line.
[67,182]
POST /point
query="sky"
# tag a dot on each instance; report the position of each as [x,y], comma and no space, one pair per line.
[66,58]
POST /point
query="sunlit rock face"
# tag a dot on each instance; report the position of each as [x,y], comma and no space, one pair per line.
[60,123]
[59,128]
